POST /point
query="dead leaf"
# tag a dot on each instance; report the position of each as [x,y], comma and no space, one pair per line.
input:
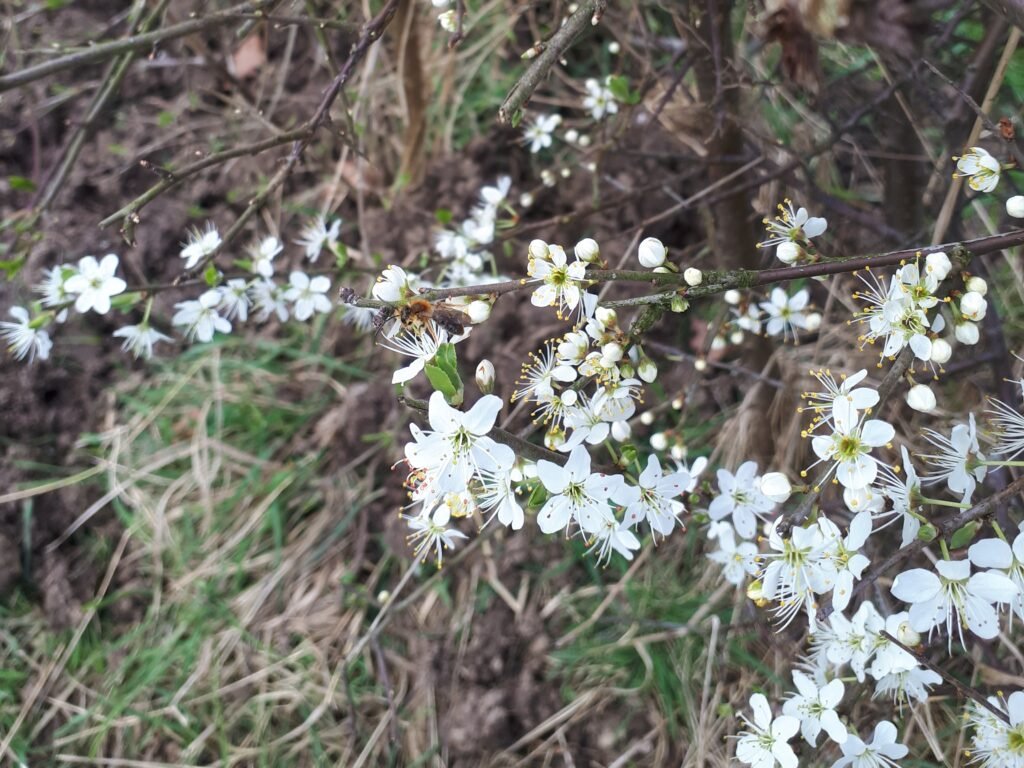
[248,57]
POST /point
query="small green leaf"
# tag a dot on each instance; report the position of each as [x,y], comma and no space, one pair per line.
[21,184]
[11,267]
[538,497]
[340,255]
[211,276]
[927,532]
[443,216]
[965,535]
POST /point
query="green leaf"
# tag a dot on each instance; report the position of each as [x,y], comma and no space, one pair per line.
[443,216]
[965,535]
[11,267]
[619,86]
[211,276]
[927,532]
[21,184]
[443,383]
[538,497]
[340,255]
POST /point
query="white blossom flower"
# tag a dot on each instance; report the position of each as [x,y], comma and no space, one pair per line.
[882,752]
[614,536]
[316,236]
[849,563]
[457,447]
[996,743]
[421,347]
[800,567]
[905,494]
[981,169]
[959,460]
[539,375]
[793,226]
[561,288]
[95,283]
[907,685]
[737,560]
[954,598]
[24,340]
[361,318]
[740,498]
[938,264]
[1015,206]
[268,298]
[497,496]
[973,306]
[394,285]
[1007,559]
[200,318]
[431,534]
[139,339]
[848,448]
[785,313]
[765,741]
[651,252]
[577,495]
[234,299]
[54,289]
[656,497]
[201,243]
[538,133]
[309,295]
[845,390]
[262,254]
[600,100]
[850,641]
[815,708]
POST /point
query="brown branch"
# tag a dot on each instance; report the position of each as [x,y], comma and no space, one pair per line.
[1011,10]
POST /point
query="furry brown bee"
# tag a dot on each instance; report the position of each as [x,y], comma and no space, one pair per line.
[421,314]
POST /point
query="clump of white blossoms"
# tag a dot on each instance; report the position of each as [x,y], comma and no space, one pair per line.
[200,317]
[995,742]
[980,168]
[201,243]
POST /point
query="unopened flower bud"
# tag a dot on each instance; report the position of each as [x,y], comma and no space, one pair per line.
[566,173]
[938,264]
[584,140]
[658,441]
[700,365]
[1015,206]
[485,376]
[647,370]
[977,285]
[941,351]
[383,596]
[525,200]
[678,452]
[587,249]
[718,344]
[788,252]
[812,322]
[621,431]
[448,21]
[647,418]
[906,634]
[967,333]
[679,304]
[693,276]
[775,486]
[626,369]
[652,252]
[538,249]
[572,135]
[973,306]
[736,337]
[732,297]
[921,398]
[478,311]
[547,177]
[607,317]
[614,47]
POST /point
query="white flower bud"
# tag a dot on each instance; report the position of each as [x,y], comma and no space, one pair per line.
[977,285]
[485,376]
[626,369]
[967,333]
[614,47]
[448,21]
[547,177]
[516,474]
[607,317]
[647,370]
[569,397]
[587,249]
[693,276]
[736,337]
[525,200]
[584,140]
[647,418]
[973,306]
[700,365]
[678,452]
[478,311]
[679,304]
[732,297]
[566,173]
[718,343]
[383,596]
[621,431]
[788,252]
[938,264]
[652,252]
[812,322]
[906,634]
[941,351]
[538,249]
[1015,206]
[572,135]
[921,398]
[775,486]
[612,351]
[658,441]
[677,404]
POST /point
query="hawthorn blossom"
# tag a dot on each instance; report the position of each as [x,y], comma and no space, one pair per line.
[538,133]
[201,243]
[24,339]
[262,255]
[309,295]
[577,494]
[656,495]
[905,494]
[954,598]
[269,299]
[316,236]
[95,283]
[200,318]
[785,313]
[846,557]
[766,740]
[1004,558]
[737,560]
[600,100]
[996,743]
[139,339]
[792,226]
[845,391]
[882,752]
[497,496]
[815,708]
[234,299]
[1008,425]
[959,460]
[980,168]
[457,447]
[54,289]
[561,288]
[848,449]
[800,567]
[614,536]
[431,534]
[740,497]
